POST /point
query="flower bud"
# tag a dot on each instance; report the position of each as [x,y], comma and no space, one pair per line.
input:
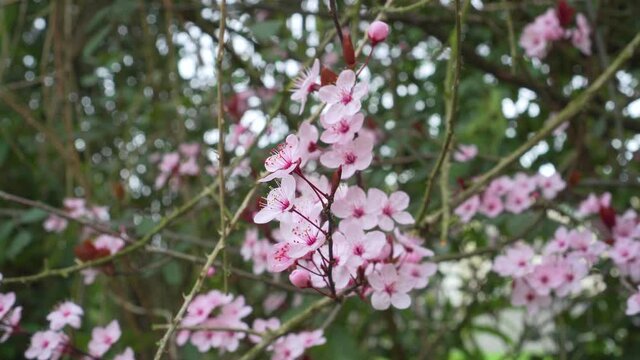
[327,76]
[377,32]
[564,12]
[335,180]
[211,271]
[347,50]
[608,216]
[300,278]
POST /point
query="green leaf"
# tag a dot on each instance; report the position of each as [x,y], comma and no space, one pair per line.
[172,273]
[33,215]
[18,244]
[264,30]
[95,41]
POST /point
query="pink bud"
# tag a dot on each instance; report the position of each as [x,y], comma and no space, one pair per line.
[300,278]
[378,32]
[211,271]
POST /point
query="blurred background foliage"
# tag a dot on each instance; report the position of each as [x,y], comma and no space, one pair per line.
[93,92]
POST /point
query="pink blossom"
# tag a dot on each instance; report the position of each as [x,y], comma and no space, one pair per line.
[76,207]
[533,41]
[518,200]
[67,313]
[391,209]
[560,242]
[280,259]
[300,278]
[304,236]
[189,168]
[377,32]
[249,243]
[418,274]
[389,288]
[500,186]
[353,156]
[593,203]
[262,326]
[580,37]
[202,305]
[627,226]
[6,302]
[516,262]
[10,323]
[102,338]
[465,153]
[127,354]
[278,201]
[364,246]
[624,251]
[545,277]
[550,185]
[411,247]
[168,166]
[468,209]
[491,205]
[46,345]
[633,304]
[343,98]
[285,159]
[306,84]
[572,271]
[343,130]
[308,148]
[108,242]
[354,206]
[190,150]
[55,223]
[523,294]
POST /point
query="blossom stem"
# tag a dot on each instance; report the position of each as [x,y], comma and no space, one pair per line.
[366,62]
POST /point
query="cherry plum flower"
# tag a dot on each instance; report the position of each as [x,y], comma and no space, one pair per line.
[102,338]
[55,223]
[354,207]
[278,201]
[418,273]
[10,323]
[280,258]
[593,203]
[127,354]
[633,304]
[516,262]
[6,302]
[580,37]
[343,130]
[391,209]
[468,209]
[465,153]
[491,205]
[111,243]
[364,246]
[308,148]
[550,185]
[262,326]
[545,277]
[46,345]
[285,159]
[343,98]
[389,288]
[523,294]
[306,84]
[67,313]
[353,156]
[518,200]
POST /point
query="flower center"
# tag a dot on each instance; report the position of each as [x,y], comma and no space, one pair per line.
[346,97]
[349,158]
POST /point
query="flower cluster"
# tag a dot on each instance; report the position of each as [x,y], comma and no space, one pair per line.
[514,195]
[537,37]
[177,165]
[76,208]
[334,236]
[564,262]
[220,325]
[53,343]
[569,257]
